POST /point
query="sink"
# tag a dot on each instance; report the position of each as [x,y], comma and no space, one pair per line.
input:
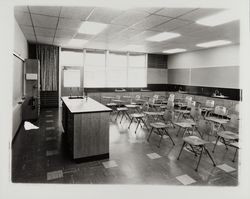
[76,97]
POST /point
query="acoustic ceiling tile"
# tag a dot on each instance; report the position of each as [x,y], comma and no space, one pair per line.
[104,15]
[44,21]
[65,23]
[46,32]
[23,18]
[174,12]
[45,10]
[76,12]
[129,17]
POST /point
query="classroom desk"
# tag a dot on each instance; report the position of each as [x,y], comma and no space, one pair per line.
[108,98]
[86,126]
[217,121]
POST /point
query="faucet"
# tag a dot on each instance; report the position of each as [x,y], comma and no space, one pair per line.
[216,92]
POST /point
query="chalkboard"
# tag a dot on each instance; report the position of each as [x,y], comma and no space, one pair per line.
[226,77]
[178,76]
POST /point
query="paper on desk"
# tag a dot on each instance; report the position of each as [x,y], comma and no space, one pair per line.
[29,126]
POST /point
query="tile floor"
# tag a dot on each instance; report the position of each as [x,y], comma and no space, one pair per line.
[42,157]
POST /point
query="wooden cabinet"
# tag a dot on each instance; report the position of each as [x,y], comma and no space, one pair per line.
[86,127]
[31,106]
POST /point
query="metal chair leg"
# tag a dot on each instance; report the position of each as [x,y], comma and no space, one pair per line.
[224,142]
[178,132]
[150,134]
[118,112]
[160,133]
[169,136]
[196,169]
[144,123]
[136,127]
[210,156]
[218,137]
[235,155]
[184,143]
[122,117]
[130,122]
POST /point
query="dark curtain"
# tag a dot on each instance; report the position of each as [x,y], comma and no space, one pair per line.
[48,56]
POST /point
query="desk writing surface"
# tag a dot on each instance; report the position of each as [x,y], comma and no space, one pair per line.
[84,106]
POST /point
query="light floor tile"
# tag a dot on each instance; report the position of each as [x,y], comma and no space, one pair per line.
[52,152]
[110,164]
[48,115]
[153,156]
[218,143]
[226,168]
[54,175]
[50,128]
[71,170]
[49,121]
[185,179]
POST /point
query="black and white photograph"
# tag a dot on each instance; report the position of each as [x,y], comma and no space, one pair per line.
[126,95]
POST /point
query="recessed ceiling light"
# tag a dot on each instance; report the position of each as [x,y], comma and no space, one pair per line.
[163,36]
[213,43]
[91,28]
[133,48]
[175,50]
[220,18]
[77,42]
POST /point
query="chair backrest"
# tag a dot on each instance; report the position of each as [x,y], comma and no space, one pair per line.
[195,113]
[144,107]
[118,97]
[168,116]
[171,97]
[191,104]
[237,108]
[204,127]
[156,97]
[170,105]
[151,100]
[220,110]
[188,99]
[209,103]
[233,124]
[137,97]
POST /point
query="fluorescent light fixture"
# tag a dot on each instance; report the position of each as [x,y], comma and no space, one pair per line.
[175,50]
[220,18]
[133,48]
[213,43]
[77,42]
[91,28]
[163,36]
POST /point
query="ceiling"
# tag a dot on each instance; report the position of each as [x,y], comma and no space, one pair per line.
[58,25]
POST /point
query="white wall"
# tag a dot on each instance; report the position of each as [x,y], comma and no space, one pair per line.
[20,48]
[212,57]
[20,42]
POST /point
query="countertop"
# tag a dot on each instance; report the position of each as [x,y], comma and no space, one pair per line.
[84,106]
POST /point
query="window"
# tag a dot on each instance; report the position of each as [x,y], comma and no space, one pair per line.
[71,58]
[71,78]
[137,71]
[113,70]
[94,70]
[116,71]
[137,61]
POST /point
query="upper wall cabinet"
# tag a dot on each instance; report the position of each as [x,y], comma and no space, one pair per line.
[157,61]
